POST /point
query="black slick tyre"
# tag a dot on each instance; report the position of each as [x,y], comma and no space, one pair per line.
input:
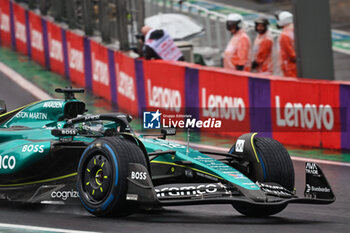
[277,167]
[102,175]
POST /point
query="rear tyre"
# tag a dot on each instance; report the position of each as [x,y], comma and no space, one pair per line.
[277,167]
[102,173]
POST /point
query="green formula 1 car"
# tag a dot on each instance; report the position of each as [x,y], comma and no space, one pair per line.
[52,151]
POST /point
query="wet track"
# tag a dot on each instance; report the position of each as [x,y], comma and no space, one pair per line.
[204,218]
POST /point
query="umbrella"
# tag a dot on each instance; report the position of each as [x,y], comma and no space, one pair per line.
[179,27]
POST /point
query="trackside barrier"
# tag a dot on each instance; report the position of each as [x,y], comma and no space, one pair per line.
[5,23]
[293,111]
[56,48]
[20,25]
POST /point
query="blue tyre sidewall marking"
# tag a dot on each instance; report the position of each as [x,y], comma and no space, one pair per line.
[110,199]
[262,165]
[115,163]
[81,158]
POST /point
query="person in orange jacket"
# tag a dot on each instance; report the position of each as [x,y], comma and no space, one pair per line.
[287,54]
[262,48]
[237,52]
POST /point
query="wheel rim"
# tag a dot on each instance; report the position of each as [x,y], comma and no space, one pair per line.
[97,178]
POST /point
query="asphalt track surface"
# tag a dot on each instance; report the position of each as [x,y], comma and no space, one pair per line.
[203,218]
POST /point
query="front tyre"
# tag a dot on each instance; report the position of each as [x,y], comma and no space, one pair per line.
[102,175]
[275,166]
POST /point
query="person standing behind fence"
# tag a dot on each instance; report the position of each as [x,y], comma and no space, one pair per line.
[237,52]
[159,45]
[286,50]
[262,48]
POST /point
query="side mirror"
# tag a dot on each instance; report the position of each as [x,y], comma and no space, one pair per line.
[167,131]
[2,107]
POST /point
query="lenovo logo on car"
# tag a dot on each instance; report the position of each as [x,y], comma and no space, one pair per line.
[308,115]
[21,32]
[187,190]
[223,107]
[163,97]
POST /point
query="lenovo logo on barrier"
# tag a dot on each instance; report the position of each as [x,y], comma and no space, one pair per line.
[100,71]
[76,60]
[37,40]
[126,86]
[56,50]
[5,22]
[224,107]
[304,116]
[21,32]
[166,98]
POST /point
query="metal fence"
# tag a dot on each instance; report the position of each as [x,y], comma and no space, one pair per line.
[112,20]
[216,36]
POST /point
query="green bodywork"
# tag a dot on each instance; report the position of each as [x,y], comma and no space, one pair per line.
[25,138]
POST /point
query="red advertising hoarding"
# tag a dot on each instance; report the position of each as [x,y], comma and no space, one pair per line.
[55,48]
[126,83]
[36,38]
[225,97]
[5,26]
[20,28]
[164,84]
[100,70]
[305,113]
[75,47]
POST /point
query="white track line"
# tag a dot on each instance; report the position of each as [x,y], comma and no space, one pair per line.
[43,229]
[302,159]
[24,83]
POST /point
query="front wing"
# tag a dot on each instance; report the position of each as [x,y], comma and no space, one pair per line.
[317,191]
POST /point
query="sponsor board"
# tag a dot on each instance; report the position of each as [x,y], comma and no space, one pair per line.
[305,113]
[55,48]
[5,26]
[164,85]
[20,28]
[225,97]
[100,70]
[126,83]
[36,38]
[75,47]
